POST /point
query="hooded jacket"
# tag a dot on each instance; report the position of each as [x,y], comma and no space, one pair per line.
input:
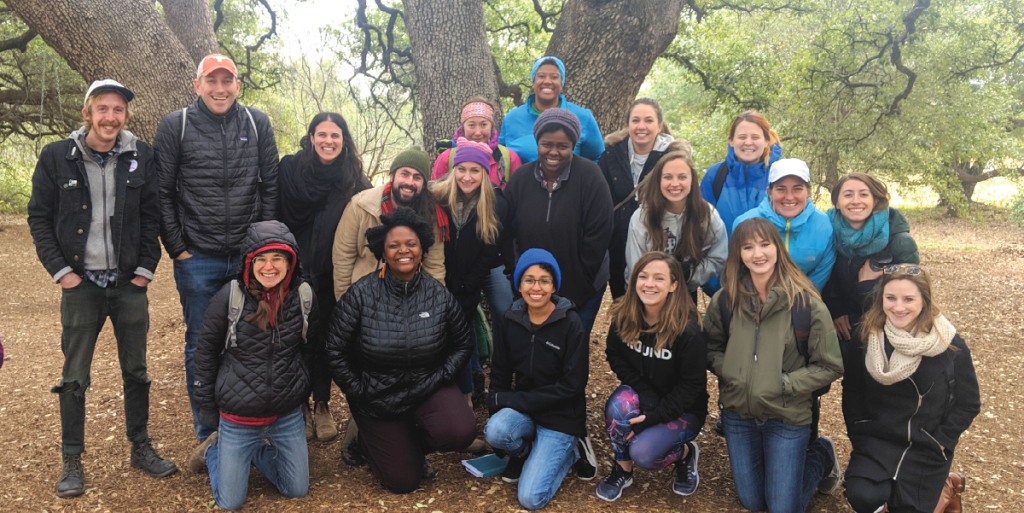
[549,367]
[907,431]
[62,214]
[808,238]
[392,344]
[468,260]
[844,294]
[496,174]
[517,131]
[216,178]
[617,168]
[670,382]
[761,371]
[353,259]
[744,187]
[267,372]
[715,250]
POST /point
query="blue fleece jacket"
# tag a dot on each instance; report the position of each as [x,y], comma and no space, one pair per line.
[744,187]
[517,131]
[808,237]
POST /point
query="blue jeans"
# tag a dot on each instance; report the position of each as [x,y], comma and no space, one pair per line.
[498,289]
[548,457]
[198,278]
[588,312]
[773,467]
[284,460]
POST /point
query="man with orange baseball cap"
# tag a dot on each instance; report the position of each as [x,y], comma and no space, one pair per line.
[217,162]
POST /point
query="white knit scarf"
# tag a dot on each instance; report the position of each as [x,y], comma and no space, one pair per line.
[908,350]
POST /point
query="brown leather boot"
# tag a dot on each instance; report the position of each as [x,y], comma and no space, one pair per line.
[326,428]
[307,416]
[949,501]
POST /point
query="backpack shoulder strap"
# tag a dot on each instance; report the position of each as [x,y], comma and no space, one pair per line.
[306,299]
[720,176]
[505,162]
[252,122]
[451,159]
[801,313]
[725,310]
[236,300]
[184,120]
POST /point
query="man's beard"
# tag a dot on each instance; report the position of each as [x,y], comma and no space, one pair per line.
[396,196]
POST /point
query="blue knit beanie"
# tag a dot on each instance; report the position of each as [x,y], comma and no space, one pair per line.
[534,256]
[548,59]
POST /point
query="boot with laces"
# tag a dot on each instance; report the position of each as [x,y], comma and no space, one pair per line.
[144,457]
[72,480]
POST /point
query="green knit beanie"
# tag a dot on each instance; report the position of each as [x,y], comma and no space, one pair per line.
[415,158]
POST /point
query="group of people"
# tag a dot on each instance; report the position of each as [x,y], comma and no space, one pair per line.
[297,272]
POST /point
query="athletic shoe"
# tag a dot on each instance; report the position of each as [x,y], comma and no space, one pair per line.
[687,478]
[834,479]
[586,466]
[610,488]
[513,470]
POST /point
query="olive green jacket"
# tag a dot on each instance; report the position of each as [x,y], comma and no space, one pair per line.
[762,374]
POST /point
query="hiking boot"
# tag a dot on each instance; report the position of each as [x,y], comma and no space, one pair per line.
[71,482]
[144,456]
[513,469]
[610,488]
[477,448]
[197,463]
[586,466]
[326,428]
[687,478]
[428,471]
[307,417]
[351,451]
[834,479]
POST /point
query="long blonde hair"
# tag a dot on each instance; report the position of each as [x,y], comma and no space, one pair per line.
[786,275]
[627,314]
[447,192]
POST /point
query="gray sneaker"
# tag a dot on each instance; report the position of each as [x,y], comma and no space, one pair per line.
[830,483]
[610,488]
[687,478]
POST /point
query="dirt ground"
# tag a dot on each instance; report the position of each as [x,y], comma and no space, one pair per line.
[979,267]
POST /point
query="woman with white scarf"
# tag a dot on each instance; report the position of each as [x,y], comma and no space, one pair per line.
[918,374]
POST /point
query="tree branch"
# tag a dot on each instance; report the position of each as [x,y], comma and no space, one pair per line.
[20,43]
[545,16]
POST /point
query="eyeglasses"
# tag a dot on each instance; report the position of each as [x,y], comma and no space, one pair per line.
[910,269]
[544,282]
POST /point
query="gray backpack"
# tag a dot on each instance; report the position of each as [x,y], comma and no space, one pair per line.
[236,300]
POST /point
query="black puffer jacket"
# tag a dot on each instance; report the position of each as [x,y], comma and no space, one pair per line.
[468,259]
[267,373]
[392,344]
[216,179]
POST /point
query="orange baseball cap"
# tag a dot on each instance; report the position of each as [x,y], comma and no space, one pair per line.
[213,62]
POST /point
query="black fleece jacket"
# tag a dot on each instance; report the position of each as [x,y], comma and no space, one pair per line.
[468,260]
[543,372]
[670,382]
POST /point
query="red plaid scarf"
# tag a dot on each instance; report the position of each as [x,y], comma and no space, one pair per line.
[387,207]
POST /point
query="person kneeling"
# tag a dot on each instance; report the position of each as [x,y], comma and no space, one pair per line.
[657,350]
[252,367]
[545,352]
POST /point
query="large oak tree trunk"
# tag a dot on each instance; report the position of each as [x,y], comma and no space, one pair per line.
[191,22]
[126,40]
[452,60]
[608,47]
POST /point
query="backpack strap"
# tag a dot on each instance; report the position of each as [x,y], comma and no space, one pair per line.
[725,310]
[256,135]
[306,299]
[801,313]
[184,120]
[716,186]
[451,159]
[504,161]
[236,300]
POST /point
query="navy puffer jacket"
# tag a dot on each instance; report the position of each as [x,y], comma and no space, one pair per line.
[267,372]
[392,344]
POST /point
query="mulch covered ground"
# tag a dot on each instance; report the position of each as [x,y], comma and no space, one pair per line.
[979,267]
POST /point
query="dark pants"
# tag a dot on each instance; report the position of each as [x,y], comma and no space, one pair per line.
[396,447]
[867,496]
[83,311]
[320,374]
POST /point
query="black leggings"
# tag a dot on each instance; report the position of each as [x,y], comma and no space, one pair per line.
[320,374]
[867,496]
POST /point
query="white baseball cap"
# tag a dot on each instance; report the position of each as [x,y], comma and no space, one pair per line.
[108,84]
[789,167]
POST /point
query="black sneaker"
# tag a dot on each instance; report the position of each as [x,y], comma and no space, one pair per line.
[513,470]
[71,482]
[144,456]
[352,454]
[428,471]
[830,483]
[610,488]
[687,477]
[586,466]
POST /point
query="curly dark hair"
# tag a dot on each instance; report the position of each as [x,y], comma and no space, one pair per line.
[402,216]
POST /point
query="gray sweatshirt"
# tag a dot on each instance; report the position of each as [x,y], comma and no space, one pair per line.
[715,249]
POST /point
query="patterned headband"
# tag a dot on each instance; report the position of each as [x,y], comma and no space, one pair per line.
[477,110]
